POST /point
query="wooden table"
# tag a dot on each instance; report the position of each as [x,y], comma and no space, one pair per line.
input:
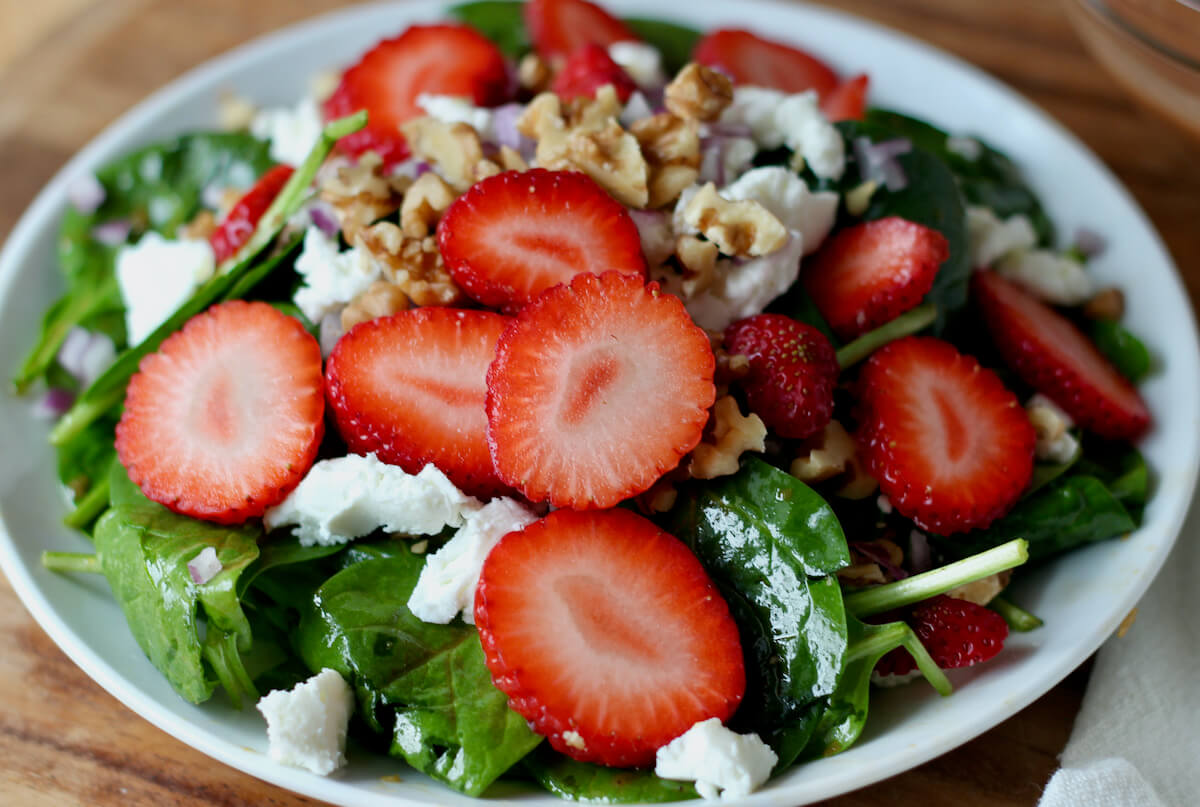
[72,66]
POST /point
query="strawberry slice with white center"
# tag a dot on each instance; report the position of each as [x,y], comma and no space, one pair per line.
[949,443]
[1055,358]
[226,418]
[750,59]
[558,28]
[411,388]
[597,390]
[607,635]
[516,234]
[433,59]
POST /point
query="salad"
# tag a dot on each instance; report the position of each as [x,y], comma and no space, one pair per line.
[609,408]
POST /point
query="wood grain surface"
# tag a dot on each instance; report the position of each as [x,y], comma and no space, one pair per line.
[72,66]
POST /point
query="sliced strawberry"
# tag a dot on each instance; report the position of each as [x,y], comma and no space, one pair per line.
[516,234]
[558,28]
[598,389]
[587,70]
[793,370]
[226,418]
[410,387]
[956,633]
[243,217]
[434,59]
[1055,358]
[950,445]
[873,272]
[750,59]
[848,100]
[607,635]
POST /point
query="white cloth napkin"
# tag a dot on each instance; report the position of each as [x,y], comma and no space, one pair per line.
[1136,742]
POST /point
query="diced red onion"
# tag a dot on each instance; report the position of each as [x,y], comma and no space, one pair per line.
[504,126]
[52,404]
[324,218]
[877,161]
[112,233]
[920,556]
[878,554]
[204,566]
[329,331]
[85,355]
[86,194]
[70,353]
[1090,242]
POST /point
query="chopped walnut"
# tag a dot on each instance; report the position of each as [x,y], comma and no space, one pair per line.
[588,138]
[322,84]
[699,93]
[858,483]
[533,74]
[485,169]
[728,368]
[381,299]
[861,575]
[234,112]
[424,205]
[200,227]
[743,228]
[511,159]
[452,147]
[831,455]
[413,264]
[671,147]
[1107,303]
[361,193]
[982,591]
[699,260]
[733,434]
[866,568]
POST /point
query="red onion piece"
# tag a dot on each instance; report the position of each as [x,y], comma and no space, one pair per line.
[52,404]
[920,556]
[204,566]
[86,194]
[112,233]
[329,331]
[879,555]
[324,218]
[877,161]
[85,355]
[1089,242]
[504,125]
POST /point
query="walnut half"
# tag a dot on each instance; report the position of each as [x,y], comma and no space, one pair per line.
[733,433]
[743,228]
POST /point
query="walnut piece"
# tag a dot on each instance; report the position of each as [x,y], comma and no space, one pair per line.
[424,205]
[486,168]
[743,228]
[833,453]
[361,193]
[1108,303]
[587,137]
[413,264]
[381,299]
[511,159]
[865,569]
[982,591]
[199,228]
[733,434]
[671,147]
[234,112]
[452,147]
[699,93]
[699,260]
[533,74]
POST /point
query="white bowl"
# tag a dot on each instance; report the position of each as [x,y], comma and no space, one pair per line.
[1081,597]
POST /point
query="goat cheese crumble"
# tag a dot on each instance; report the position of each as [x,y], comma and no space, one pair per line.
[778,119]
[457,109]
[1054,278]
[331,278]
[642,62]
[156,276]
[292,132]
[722,763]
[306,725]
[991,238]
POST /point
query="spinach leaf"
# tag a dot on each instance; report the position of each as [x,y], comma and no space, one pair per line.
[797,304]
[426,684]
[1046,472]
[770,543]
[583,781]
[1123,471]
[1127,353]
[501,21]
[158,187]
[283,550]
[675,42]
[144,550]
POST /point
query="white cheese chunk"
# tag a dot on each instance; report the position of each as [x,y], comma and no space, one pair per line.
[785,195]
[722,763]
[724,158]
[990,238]
[642,62]
[348,497]
[306,726]
[447,584]
[1049,276]
[458,109]
[777,119]
[292,132]
[656,233]
[331,278]
[156,276]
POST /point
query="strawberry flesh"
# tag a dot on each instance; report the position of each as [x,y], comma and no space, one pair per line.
[793,370]
[957,633]
[587,70]
[226,418]
[750,59]
[243,217]
[387,80]
[848,100]
[597,390]
[871,273]
[1055,358]
[516,234]
[607,635]
[410,387]
[949,443]
[559,28]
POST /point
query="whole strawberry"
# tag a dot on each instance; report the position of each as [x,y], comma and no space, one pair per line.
[956,633]
[793,370]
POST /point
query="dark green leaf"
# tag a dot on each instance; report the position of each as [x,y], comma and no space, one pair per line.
[796,304]
[1046,472]
[1123,470]
[1127,353]
[583,781]
[675,42]
[500,21]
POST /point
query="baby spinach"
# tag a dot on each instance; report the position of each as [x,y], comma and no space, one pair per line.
[1123,471]
[1118,344]
[144,550]
[675,42]
[426,684]
[501,21]
[584,781]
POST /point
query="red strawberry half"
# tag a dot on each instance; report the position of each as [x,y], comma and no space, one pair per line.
[516,234]
[410,387]
[587,70]
[750,59]
[950,445]
[607,635]
[598,388]
[558,28]
[956,633]
[1052,356]
[873,272]
[848,100]
[435,59]
[226,418]
[239,225]
[793,370]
